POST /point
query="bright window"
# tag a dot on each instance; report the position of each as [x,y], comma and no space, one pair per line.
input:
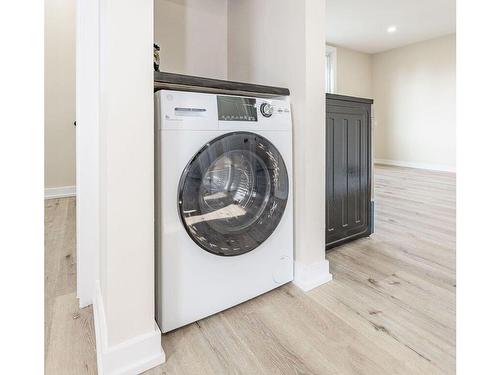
[330,69]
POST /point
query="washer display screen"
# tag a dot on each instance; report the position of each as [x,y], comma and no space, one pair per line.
[233,193]
[231,108]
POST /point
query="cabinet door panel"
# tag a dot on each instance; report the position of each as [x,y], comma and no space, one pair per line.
[357,173]
[347,173]
[330,212]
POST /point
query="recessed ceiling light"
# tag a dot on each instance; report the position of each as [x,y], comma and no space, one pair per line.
[391,29]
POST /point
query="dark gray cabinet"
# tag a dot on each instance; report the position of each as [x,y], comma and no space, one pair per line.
[348,169]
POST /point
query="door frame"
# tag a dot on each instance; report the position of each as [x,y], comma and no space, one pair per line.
[87,149]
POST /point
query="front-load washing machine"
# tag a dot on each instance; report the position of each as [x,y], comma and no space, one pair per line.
[224,205]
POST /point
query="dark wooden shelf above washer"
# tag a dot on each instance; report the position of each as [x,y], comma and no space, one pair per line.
[181,82]
[347,98]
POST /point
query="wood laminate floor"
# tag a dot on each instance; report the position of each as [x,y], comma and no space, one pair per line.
[389,310]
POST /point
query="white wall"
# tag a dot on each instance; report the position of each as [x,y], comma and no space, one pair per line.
[266,49]
[128,340]
[414,92]
[59,93]
[282,43]
[126,119]
[354,73]
[192,35]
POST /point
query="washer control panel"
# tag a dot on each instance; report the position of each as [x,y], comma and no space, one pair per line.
[204,111]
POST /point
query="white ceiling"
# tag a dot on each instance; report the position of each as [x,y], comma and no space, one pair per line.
[362,24]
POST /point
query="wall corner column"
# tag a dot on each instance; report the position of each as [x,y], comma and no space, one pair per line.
[128,340]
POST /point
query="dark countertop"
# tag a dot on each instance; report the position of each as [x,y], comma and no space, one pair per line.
[349,98]
[183,82]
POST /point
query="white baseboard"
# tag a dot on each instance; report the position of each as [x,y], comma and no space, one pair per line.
[131,357]
[409,164]
[60,192]
[310,276]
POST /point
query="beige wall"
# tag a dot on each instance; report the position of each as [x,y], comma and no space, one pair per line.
[192,35]
[354,73]
[414,92]
[59,93]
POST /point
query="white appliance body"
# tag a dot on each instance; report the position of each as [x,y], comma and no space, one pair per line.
[192,283]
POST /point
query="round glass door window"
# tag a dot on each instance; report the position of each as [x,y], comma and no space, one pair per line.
[233,193]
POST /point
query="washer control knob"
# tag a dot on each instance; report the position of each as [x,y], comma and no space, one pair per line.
[266,109]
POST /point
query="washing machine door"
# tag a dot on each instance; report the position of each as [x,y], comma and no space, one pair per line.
[233,193]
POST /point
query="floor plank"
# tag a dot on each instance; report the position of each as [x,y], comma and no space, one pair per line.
[58,222]
[72,341]
[389,310]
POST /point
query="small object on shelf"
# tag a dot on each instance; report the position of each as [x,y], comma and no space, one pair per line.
[156,57]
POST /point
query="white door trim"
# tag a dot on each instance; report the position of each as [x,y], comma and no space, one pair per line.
[87,148]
